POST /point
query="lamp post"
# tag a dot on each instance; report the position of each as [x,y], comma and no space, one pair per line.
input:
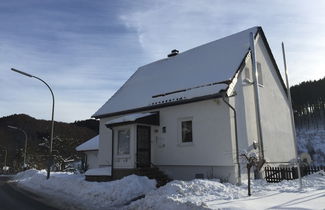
[25,152]
[6,157]
[5,161]
[52,124]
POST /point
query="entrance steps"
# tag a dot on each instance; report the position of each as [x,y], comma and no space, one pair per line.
[154,173]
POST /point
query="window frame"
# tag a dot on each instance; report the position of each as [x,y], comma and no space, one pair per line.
[260,79]
[180,131]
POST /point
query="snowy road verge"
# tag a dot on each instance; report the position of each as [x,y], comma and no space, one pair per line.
[76,193]
[209,194]
[71,191]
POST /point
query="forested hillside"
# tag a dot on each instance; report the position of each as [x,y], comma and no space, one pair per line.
[67,137]
[308,100]
[309,109]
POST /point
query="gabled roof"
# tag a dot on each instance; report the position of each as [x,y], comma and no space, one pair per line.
[91,144]
[198,72]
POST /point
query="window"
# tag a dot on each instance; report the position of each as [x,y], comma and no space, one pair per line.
[123,142]
[247,74]
[259,72]
[187,132]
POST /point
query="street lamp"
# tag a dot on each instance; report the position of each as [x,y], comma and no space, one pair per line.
[5,168]
[19,129]
[52,127]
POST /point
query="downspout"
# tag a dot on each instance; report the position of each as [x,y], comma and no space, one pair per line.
[112,159]
[224,95]
[257,102]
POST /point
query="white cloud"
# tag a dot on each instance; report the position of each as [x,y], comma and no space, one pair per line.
[185,24]
[86,57]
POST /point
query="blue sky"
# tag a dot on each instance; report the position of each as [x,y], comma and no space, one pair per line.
[86,50]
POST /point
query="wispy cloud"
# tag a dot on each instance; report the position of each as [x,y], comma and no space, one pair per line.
[184,24]
[79,48]
[87,49]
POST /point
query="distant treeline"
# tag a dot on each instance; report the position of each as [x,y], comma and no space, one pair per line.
[308,100]
[66,137]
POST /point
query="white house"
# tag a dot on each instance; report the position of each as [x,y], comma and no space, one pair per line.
[90,148]
[192,113]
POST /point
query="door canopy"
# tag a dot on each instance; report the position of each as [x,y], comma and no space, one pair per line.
[148,118]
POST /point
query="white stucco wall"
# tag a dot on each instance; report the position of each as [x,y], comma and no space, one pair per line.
[278,137]
[92,159]
[244,103]
[276,125]
[211,135]
[212,144]
[105,143]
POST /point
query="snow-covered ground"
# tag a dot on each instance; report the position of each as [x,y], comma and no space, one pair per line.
[312,141]
[73,192]
[195,194]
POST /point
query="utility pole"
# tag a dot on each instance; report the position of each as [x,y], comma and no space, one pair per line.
[291,115]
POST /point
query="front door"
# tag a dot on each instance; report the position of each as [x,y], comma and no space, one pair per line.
[143,146]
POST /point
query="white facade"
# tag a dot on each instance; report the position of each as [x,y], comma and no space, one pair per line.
[211,153]
[92,159]
[90,148]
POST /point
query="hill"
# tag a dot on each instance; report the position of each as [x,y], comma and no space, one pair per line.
[67,136]
[309,110]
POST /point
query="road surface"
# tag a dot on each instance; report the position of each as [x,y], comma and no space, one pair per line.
[13,199]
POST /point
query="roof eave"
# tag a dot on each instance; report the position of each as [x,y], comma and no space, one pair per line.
[273,60]
[87,150]
[152,107]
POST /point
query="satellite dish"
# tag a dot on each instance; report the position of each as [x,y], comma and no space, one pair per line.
[305,158]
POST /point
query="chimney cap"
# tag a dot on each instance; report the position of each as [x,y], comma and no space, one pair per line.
[174,52]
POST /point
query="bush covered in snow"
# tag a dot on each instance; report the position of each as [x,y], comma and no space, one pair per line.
[312,141]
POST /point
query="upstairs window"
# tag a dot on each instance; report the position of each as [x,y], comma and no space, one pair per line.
[247,75]
[123,142]
[260,74]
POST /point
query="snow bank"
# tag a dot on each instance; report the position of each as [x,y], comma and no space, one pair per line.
[187,195]
[181,195]
[72,189]
[211,194]
[312,141]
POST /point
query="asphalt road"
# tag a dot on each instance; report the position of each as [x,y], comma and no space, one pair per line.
[12,198]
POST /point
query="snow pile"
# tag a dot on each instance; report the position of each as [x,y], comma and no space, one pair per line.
[75,192]
[211,194]
[188,195]
[313,142]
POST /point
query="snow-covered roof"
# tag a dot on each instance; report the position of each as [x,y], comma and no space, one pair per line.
[128,118]
[193,73]
[104,171]
[91,144]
